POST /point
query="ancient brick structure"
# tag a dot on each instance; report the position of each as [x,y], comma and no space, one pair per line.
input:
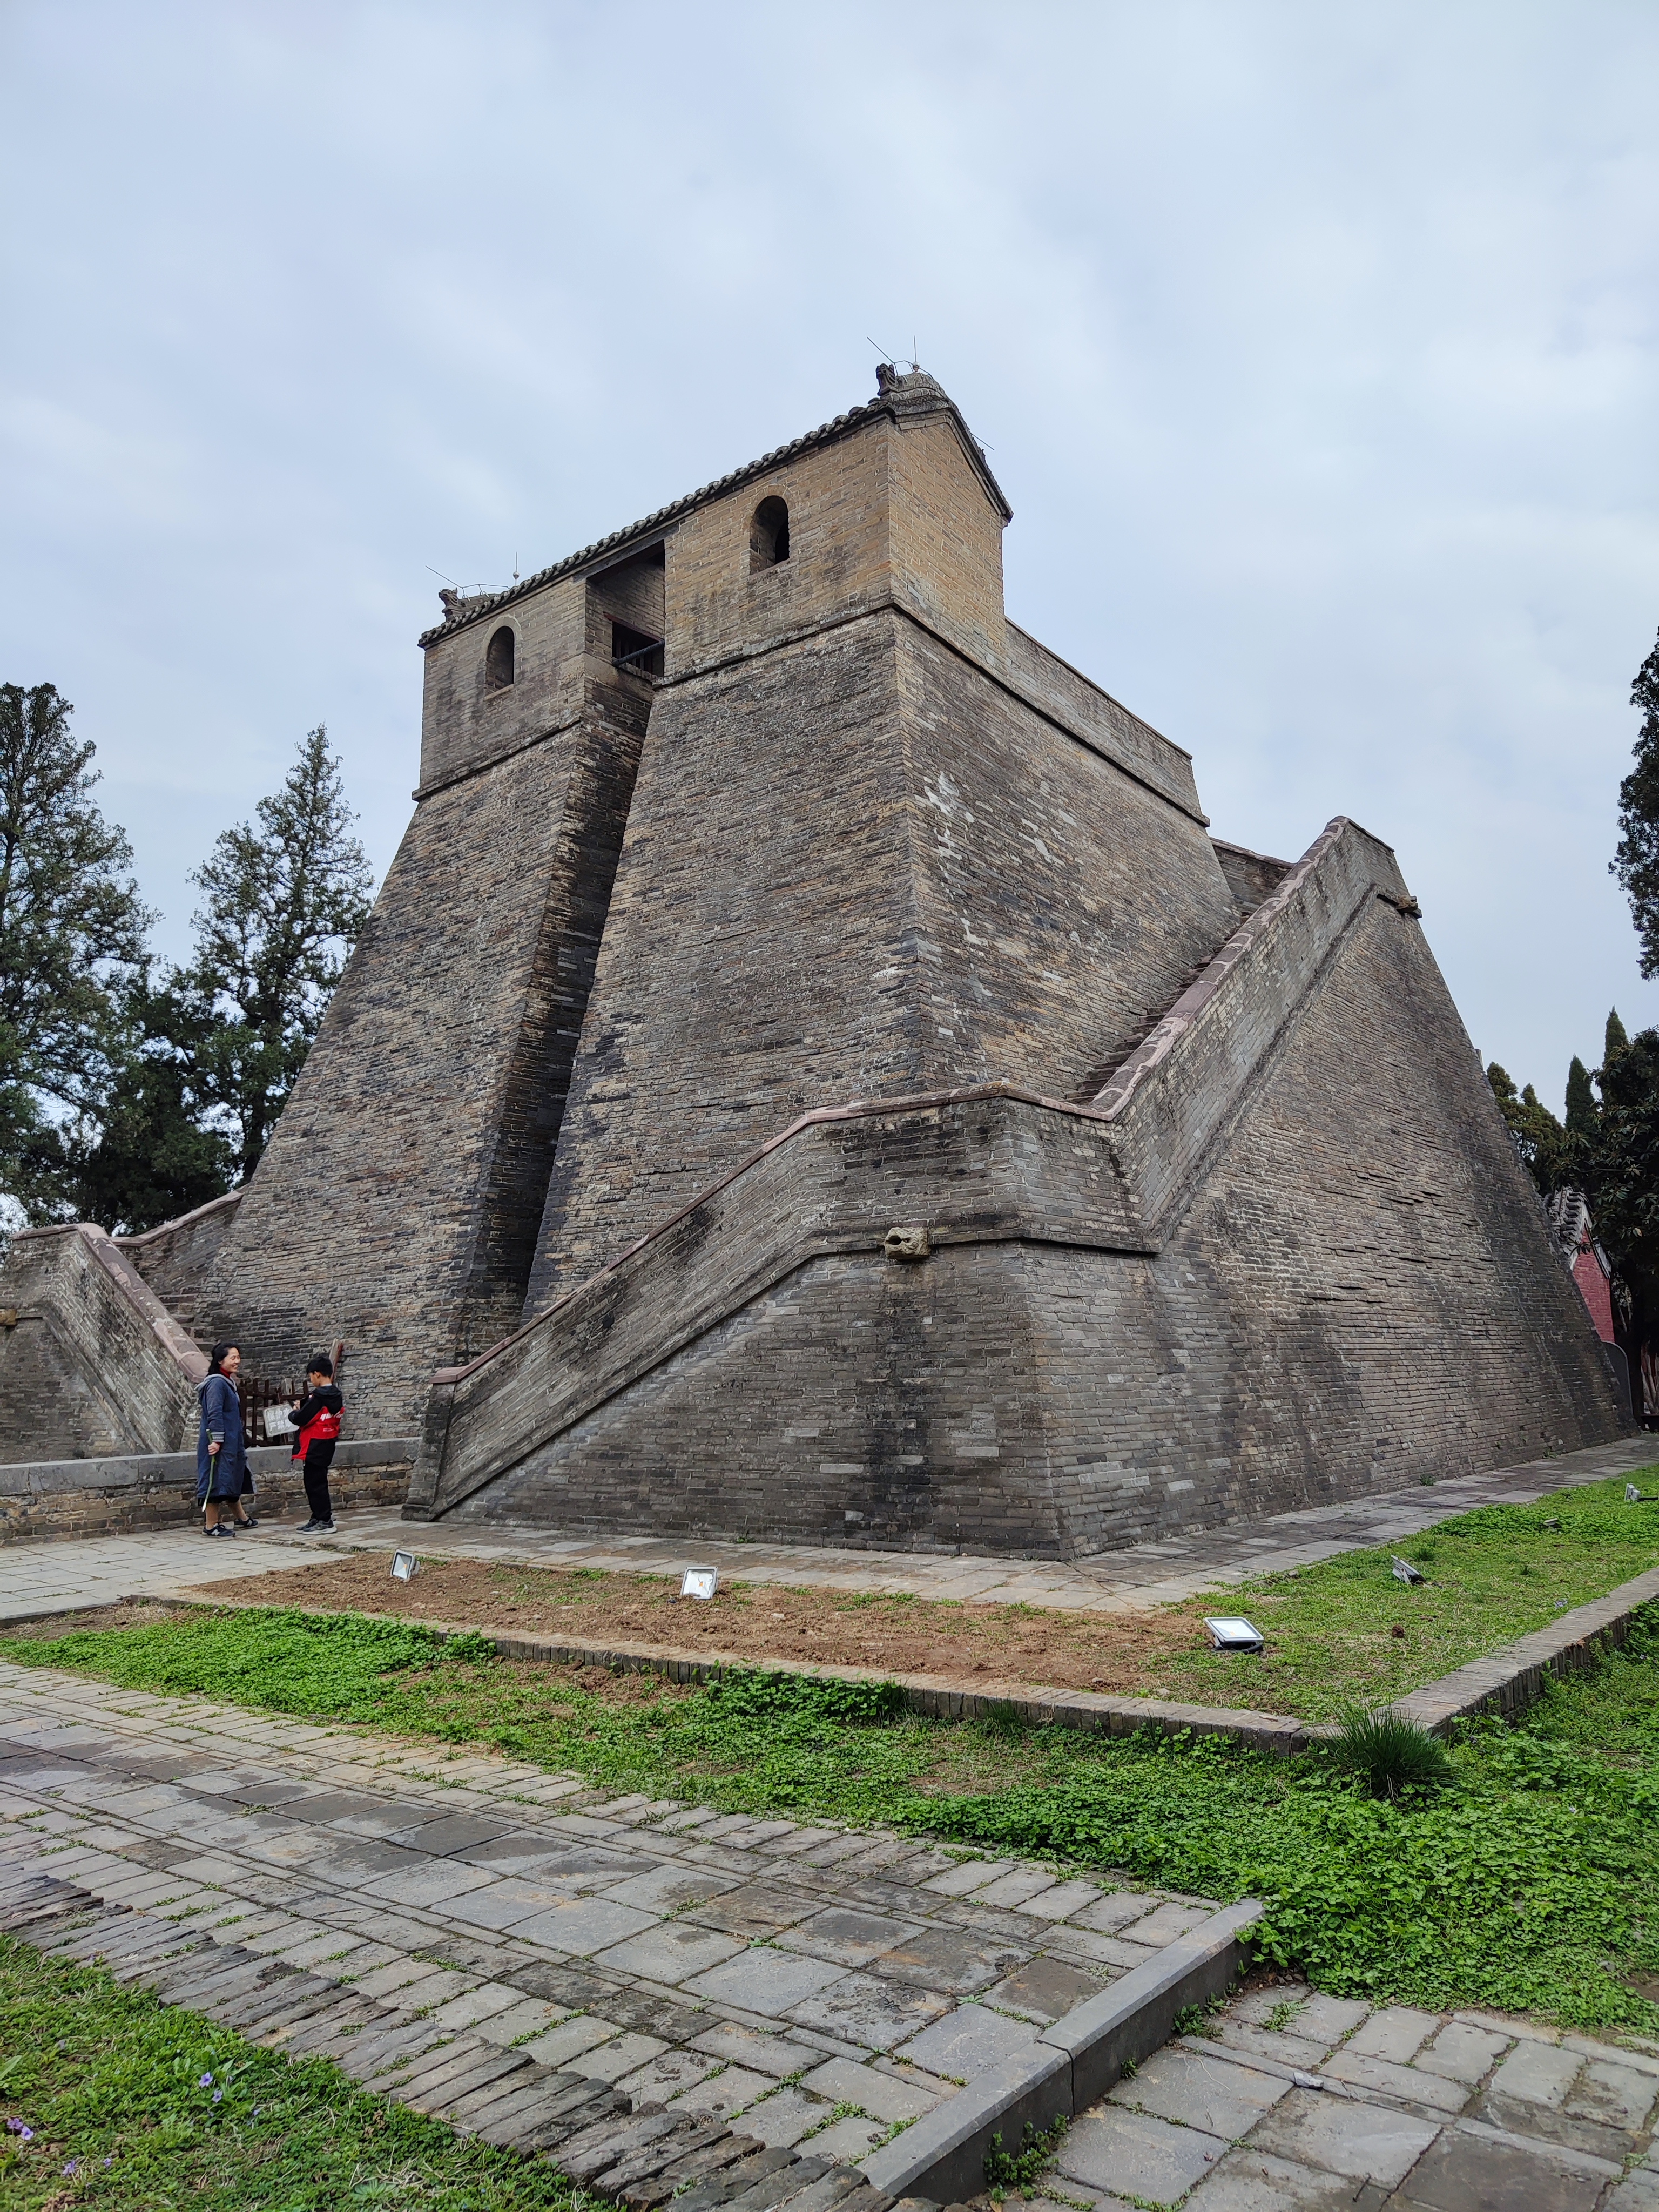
[811,1071]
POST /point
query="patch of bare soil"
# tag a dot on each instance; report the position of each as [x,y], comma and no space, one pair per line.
[141,1613]
[1125,1654]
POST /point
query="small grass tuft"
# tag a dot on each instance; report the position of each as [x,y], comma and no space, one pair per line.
[1390,1754]
[1005,2170]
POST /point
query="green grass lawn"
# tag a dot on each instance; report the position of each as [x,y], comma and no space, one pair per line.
[1492,1575]
[136,2107]
[1531,1885]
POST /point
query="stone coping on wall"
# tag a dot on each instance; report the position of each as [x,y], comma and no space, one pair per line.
[61,1500]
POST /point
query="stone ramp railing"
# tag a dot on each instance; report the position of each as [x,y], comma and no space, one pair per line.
[90,1351]
[1174,1100]
[991,1163]
[984,1165]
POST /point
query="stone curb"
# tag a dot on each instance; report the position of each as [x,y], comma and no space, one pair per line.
[1074,2062]
[938,1696]
[1504,1681]
[1512,1678]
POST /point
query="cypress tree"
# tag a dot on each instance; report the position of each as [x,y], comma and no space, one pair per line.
[1636,862]
[1582,1109]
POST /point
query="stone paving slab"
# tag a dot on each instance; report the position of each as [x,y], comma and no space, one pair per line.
[620,2146]
[39,1578]
[1392,2116]
[598,1935]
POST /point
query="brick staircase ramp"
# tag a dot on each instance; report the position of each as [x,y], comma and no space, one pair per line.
[91,1359]
[992,1164]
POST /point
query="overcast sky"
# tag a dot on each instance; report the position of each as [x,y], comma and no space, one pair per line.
[1315,347]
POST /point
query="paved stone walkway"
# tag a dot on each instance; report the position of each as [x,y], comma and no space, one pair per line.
[826,1984]
[41,1577]
[66,1575]
[1301,2103]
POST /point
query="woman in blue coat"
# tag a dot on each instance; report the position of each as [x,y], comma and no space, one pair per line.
[221,1468]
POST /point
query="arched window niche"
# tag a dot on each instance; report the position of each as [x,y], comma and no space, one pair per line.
[768,535]
[498,660]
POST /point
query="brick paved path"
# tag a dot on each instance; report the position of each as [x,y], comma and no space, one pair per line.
[40,1577]
[1301,2103]
[717,1965]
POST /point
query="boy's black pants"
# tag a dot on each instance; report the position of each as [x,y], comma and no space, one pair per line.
[319,1457]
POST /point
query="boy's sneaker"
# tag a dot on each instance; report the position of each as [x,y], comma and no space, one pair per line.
[222,1530]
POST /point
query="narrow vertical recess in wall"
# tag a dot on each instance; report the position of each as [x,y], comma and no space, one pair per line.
[599,789]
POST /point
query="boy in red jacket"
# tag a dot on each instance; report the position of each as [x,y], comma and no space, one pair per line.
[317,1416]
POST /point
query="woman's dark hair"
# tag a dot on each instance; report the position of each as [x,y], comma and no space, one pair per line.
[219,1354]
[322,1365]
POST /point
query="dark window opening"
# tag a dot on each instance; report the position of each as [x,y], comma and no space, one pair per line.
[498,660]
[768,535]
[633,650]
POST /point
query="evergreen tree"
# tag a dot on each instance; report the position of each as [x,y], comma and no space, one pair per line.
[1583,1112]
[1614,1041]
[1636,860]
[1538,1137]
[1621,1176]
[148,1153]
[282,903]
[72,938]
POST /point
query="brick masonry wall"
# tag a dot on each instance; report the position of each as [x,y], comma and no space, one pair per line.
[464,723]
[94,1363]
[988,1167]
[945,537]
[175,1260]
[1056,689]
[994,900]
[1357,1289]
[881,843]
[122,1496]
[398,1204]
[1059,900]
[1251,877]
[893,515]
[1358,1296]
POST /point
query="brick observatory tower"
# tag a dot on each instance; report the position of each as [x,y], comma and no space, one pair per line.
[812,1073]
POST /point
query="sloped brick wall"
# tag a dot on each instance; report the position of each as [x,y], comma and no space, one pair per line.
[1291,1257]
[859,867]
[93,1363]
[177,1259]
[398,1204]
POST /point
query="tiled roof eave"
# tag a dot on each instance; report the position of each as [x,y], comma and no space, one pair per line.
[653,525]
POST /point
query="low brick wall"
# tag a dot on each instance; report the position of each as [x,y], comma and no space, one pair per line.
[118,1497]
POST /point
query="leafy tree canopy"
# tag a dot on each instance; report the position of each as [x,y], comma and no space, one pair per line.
[72,932]
[124,1100]
[1636,862]
[150,1152]
[1621,1169]
[1538,1137]
[1583,1112]
[284,900]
